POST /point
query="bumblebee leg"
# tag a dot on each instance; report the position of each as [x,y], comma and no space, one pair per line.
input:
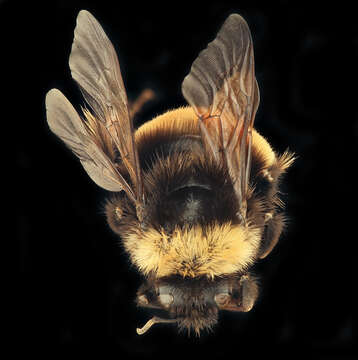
[145,96]
[249,292]
[273,229]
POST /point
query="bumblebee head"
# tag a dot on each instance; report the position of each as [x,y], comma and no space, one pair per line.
[194,304]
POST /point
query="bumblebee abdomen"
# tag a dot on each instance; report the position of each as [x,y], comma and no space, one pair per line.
[178,129]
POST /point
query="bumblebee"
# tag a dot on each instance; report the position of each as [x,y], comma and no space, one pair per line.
[193,193]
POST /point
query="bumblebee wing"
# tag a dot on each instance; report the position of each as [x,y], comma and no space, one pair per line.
[65,122]
[222,89]
[94,66]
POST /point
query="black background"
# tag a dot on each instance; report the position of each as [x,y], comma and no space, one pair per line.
[75,285]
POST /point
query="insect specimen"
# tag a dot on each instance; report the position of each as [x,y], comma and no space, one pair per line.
[193,193]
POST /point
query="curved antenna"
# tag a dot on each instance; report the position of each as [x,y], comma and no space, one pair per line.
[151,322]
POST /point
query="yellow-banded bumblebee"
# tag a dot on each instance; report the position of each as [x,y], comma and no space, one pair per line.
[194,190]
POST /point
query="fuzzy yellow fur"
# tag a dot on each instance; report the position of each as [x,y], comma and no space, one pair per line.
[177,122]
[213,251]
[286,160]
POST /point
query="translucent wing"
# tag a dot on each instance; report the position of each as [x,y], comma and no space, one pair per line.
[222,89]
[65,122]
[95,67]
